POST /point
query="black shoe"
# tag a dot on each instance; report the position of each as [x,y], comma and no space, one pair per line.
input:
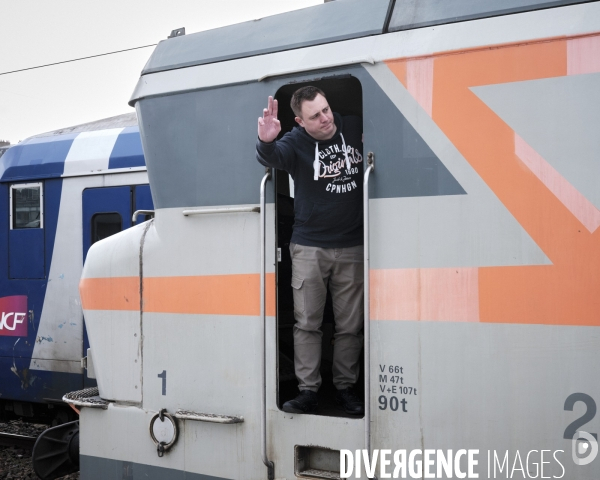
[350,402]
[305,402]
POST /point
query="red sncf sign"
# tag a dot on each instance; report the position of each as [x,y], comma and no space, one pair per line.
[13,316]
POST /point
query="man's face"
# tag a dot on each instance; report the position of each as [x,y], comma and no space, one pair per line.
[317,118]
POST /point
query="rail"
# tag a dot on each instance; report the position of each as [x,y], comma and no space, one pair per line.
[263,394]
[367,302]
[13,440]
[212,211]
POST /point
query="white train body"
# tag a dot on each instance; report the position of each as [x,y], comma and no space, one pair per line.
[483,251]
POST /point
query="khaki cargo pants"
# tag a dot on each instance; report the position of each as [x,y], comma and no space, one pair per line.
[313,269]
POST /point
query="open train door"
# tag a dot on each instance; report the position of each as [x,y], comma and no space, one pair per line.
[311,444]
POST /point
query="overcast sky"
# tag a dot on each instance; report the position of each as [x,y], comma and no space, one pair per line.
[36,32]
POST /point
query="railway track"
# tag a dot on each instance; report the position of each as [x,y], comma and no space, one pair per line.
[13,440]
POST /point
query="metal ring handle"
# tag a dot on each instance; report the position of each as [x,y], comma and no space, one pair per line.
[165,446]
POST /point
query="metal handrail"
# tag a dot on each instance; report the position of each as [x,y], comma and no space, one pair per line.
[141,212]
[207,211]
[367,302]
[263,394]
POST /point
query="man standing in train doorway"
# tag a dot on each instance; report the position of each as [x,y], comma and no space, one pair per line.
[323,154]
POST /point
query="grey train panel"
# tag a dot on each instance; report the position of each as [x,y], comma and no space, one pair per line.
[409,14]
[96,468]
[196,151]
[195,143]
[411,168]
[498,387]
[558,118]
[331,22]
[470,230]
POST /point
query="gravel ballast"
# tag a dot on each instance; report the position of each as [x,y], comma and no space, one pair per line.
[15,463]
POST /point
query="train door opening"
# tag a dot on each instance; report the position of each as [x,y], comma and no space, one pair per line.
[344,94]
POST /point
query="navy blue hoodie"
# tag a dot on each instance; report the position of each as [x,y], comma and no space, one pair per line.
[327,182]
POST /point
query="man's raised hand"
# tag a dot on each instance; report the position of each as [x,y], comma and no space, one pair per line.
[268,125]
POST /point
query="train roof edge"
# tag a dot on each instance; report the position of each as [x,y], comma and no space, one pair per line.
[118,121]
[108,145]
[316,25]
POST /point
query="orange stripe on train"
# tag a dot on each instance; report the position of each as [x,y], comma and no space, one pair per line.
[118,293]
[210,294]
[566,292]
[430,294]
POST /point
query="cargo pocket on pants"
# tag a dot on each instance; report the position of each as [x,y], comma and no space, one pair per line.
[298,295]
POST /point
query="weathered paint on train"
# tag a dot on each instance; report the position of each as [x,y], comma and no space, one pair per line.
[484,247]
[42,335]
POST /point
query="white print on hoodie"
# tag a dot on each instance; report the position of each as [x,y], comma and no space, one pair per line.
[334,169]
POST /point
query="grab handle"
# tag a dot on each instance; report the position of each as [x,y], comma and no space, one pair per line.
[263,393]
[367,302]
[214,211]
[141,212]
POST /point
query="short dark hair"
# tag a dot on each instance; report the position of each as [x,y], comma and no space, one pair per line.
[305,93]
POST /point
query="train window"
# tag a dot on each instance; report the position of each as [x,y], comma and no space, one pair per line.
[422,13]
[344,95]
[104,225]
[26,206]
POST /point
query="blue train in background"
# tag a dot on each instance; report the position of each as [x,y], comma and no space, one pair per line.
[59,193]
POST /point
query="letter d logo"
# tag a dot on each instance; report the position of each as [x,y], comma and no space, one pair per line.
[584,452]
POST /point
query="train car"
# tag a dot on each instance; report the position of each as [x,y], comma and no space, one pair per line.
[482,318]
[60,192]
[3,148]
